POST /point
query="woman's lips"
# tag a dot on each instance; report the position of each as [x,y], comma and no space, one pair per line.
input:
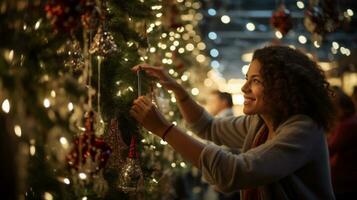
[248,100]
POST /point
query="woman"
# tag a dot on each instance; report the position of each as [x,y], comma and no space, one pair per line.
[342,146]
[284,151]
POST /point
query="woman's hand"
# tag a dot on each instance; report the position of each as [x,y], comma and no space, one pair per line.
[160,73]
[149,116]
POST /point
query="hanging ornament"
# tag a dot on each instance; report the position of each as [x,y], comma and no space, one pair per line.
[87,145]
[322,18]
[103,43]
[281,20]
[115,140]
[75,58]
[131,176]
[64,14]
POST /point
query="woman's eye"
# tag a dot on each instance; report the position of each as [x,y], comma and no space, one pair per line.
[256,81]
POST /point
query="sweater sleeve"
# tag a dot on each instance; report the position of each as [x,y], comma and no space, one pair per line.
[229,131]
[262,165]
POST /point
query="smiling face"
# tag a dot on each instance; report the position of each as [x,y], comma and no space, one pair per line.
[253,91]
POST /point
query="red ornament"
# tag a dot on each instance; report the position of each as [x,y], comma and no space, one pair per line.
[88,146]
[281,20]
[64,15]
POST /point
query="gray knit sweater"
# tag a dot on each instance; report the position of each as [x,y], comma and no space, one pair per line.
[292,165]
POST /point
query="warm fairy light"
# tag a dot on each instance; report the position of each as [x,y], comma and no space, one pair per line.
[245,69]
[172,33]
[347,52]
[163,46]
[158,85]
[300,4]
[85,198]
[70,106]
[158,23]
[278,34]
[130,44]
[189,47]
[250,26]
[172,47]
[184,77]
[64,142]
[169,61]
[162,142]
[302,39]
[154,180]
[6,106]
[176,43]
[158,15]
[173,99]
[173,165]
[171,113]
[32,150]
[47,196]
[171,71]
[53,93]
[225,19]
[168,54]
[180,29]
[316,44]
[335,45]
[38,23]
[172,38]
[11,55]
[17,130]
[350,12]
[195,91]
[82,175]
[181,50]
[183,164]
[200,58]
[46,103]
[292,46]
[66,181]
[201,46]
[152,49]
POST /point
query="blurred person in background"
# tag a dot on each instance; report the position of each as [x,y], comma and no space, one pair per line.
[342,143]
[220,104]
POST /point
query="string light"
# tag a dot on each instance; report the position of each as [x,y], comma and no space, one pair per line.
[66,181]
[6,106]
[173,165]
[300,4]
[189,47]
[53,93]
[47,196]
[181,50]
[17,130]
[46,103]
[225,19]
[250,26]
[212,35]
[32,150]
[335,45]
[195,91]
[316,44]
[183,165]
[70,106]
[38,23]
[350,12]
[302,39]
[82,175]
[278,34]
[64,142]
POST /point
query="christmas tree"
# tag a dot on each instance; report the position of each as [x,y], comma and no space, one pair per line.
[67,86]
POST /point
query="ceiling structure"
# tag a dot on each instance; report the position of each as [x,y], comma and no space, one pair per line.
[227,42]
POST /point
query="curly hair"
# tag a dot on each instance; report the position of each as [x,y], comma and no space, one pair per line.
[294,84]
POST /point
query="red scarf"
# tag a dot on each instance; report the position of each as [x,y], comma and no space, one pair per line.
[254,193]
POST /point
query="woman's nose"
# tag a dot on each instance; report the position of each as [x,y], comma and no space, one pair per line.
[245,87]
